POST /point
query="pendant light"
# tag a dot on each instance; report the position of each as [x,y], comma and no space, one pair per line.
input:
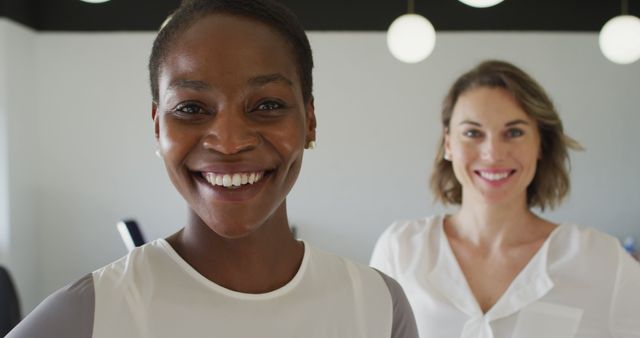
[481,3]
[411,37]
[620,37]
[94,1]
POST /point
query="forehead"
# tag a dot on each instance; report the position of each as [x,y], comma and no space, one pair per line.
[231,47]
[488,104]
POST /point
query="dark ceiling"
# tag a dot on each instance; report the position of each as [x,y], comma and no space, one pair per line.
[331,15]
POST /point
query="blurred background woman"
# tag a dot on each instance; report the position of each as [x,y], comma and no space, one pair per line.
[494,268]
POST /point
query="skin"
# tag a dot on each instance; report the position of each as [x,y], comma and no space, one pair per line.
[230,101]
[494,235]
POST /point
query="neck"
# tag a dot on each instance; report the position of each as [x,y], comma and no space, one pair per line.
[262,261]
[493,225]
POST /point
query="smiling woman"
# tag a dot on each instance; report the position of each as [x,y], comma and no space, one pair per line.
[494,268]
[233,113]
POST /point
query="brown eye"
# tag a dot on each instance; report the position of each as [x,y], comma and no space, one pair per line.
[190,109]
[472,133]
[269,105]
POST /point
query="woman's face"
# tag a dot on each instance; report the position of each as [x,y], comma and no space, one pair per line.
[493,145]
[231,122]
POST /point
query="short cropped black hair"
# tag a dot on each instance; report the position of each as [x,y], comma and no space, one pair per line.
[266,11]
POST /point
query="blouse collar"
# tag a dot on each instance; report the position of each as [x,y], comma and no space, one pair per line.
[531,284]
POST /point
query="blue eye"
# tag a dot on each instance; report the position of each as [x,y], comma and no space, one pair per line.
[514,132]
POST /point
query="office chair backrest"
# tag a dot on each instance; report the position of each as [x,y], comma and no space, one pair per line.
[9,304]
[130,233]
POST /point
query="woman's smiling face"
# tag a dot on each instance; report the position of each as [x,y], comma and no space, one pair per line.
[493,145]
[231,121]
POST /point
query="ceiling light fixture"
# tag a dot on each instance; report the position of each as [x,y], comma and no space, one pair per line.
[94,1]
[411,37]
[481,3]
[620,37]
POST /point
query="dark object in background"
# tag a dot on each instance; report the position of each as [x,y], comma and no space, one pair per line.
[130,233]
[9,304]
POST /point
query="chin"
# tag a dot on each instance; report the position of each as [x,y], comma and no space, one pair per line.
[234,231]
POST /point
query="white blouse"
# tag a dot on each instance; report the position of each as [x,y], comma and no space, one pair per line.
[579,284]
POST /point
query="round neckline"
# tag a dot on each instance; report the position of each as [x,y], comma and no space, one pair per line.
[293,283]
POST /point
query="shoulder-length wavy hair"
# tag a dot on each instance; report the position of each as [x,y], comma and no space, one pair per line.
[551,181]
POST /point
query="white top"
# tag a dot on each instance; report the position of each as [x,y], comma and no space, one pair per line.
[153,293]
[579,284]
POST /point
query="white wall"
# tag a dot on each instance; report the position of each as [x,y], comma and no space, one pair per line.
[4,149]
[22,163]
[377,131]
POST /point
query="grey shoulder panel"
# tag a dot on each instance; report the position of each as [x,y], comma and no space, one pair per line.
[67,313]
[404,323]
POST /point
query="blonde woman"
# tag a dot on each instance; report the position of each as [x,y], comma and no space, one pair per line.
[494,268]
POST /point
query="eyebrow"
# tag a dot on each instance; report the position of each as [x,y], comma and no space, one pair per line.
[508,124]
[257,81]
[471,122]
[516,122]
[263,80]
[190,84]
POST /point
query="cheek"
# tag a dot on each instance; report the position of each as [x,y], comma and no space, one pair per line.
[175,141]
[463,152]
[288,140]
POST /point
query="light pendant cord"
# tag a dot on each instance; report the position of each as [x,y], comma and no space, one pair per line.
[624,7]
[410,6]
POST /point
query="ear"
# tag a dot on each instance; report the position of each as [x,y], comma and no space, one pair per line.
[311,120]
[156,120]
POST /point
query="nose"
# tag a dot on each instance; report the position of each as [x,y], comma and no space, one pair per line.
[230,133]
[493,149]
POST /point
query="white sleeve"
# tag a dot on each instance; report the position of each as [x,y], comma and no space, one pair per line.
[625,305]
[383,256]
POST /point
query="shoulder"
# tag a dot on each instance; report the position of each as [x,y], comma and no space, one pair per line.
[571,239]
[406,242]
[583,251]
[409,229]
[138,262]
[68,312]
[404,324]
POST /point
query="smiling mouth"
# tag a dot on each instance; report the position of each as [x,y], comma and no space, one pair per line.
[233,180]
[494,176]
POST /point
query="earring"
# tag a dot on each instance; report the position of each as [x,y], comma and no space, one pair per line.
[158,153]
[311,145]
[447,156]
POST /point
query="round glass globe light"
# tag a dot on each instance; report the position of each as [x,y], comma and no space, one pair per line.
[620,39]
[95,1]
[481,3]
[411,38]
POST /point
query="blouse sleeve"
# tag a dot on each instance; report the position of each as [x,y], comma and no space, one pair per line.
[625,306]
[66,313]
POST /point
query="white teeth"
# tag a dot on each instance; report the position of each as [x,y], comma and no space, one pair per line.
[494,176]
[233,180]
[226,181]
[236,180]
